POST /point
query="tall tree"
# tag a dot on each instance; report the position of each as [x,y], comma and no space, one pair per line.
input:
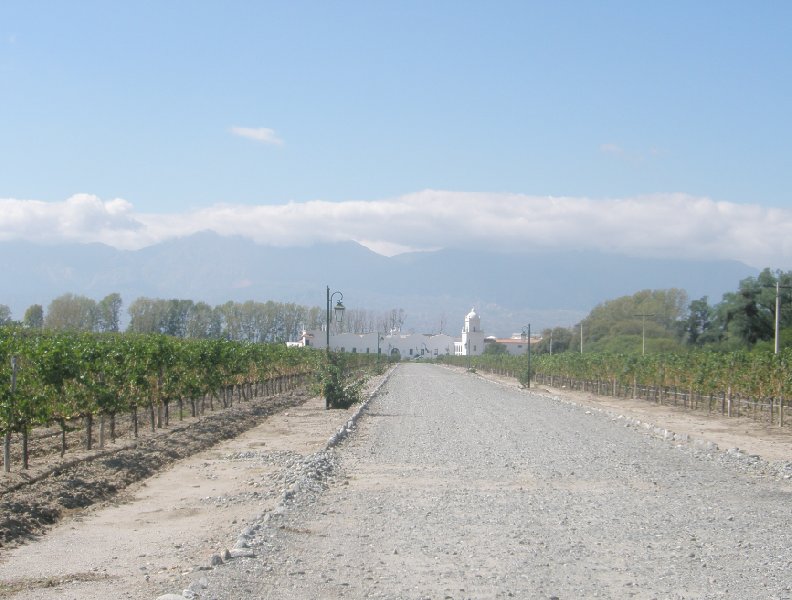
[108,312]
[747,316]
[70,312]
[700,326]
[556,340]
[5,315]
[34,316]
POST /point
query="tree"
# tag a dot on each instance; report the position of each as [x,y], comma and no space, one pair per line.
[34,317]
[495,349]
[71,313]
[108,312]
[699,327]
[5,315]
[561,339]
[621,324]
[748,315]
[203,322]
[146,315]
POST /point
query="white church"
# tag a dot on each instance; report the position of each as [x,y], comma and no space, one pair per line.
[412,345]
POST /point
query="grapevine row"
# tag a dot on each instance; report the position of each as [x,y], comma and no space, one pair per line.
[59,378]
[755,383]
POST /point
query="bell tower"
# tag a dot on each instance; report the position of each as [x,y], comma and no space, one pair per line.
[472,336]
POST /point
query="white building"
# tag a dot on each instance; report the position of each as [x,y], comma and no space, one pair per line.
[397,344]
[515,344]
[472,341]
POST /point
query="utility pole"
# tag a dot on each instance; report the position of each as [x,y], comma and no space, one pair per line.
[778,313]
[777,328]
[643,331]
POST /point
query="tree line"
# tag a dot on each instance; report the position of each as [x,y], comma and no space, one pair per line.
[250,321]
[661,321]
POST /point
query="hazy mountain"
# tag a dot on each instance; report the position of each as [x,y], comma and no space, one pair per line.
[509,290]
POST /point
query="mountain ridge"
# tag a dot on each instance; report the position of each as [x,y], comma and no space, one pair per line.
[545,288]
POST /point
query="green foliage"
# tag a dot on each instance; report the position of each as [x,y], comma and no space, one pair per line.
[34,317]
[63,375]
[495,349]
[108,313]
[70,312]
[754,374]
[558,339]
[250,321]
[620,325]
[341,383]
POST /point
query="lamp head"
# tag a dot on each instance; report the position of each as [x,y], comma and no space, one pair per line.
[339,311]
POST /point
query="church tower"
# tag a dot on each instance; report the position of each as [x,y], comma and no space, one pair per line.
[472,336]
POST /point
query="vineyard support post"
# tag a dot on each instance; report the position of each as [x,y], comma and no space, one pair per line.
[527,337]
[7,436]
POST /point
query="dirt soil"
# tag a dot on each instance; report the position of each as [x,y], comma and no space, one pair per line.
[140,523]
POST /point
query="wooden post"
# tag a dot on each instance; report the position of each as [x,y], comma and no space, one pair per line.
[7,437]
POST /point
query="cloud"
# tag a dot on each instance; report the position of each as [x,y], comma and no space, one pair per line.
[612,149]
[82,218]
[259,134]
[661,225]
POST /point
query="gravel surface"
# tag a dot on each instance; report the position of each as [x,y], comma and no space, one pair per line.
[456,487]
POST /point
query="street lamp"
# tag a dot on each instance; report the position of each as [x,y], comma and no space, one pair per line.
[338,311]
[643,331]
[527,336]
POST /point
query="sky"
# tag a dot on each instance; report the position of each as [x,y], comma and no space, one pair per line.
[658,129]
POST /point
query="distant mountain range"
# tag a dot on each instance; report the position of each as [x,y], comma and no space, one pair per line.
[508,290]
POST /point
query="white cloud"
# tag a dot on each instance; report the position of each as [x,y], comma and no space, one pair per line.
[259,134]
[82,218]
[661,225]
[612,149]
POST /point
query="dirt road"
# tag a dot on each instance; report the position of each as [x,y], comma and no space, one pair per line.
[459,488]
[451,487]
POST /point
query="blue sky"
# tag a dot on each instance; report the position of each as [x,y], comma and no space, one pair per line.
[370,101]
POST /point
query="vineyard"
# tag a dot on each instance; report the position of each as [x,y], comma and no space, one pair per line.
[753,384]
[101,386]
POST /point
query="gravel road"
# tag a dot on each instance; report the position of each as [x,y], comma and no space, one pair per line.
[457,487]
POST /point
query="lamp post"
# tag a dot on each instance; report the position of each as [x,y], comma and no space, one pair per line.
[379,339]
[643,331]
[527,336]
[338,310]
